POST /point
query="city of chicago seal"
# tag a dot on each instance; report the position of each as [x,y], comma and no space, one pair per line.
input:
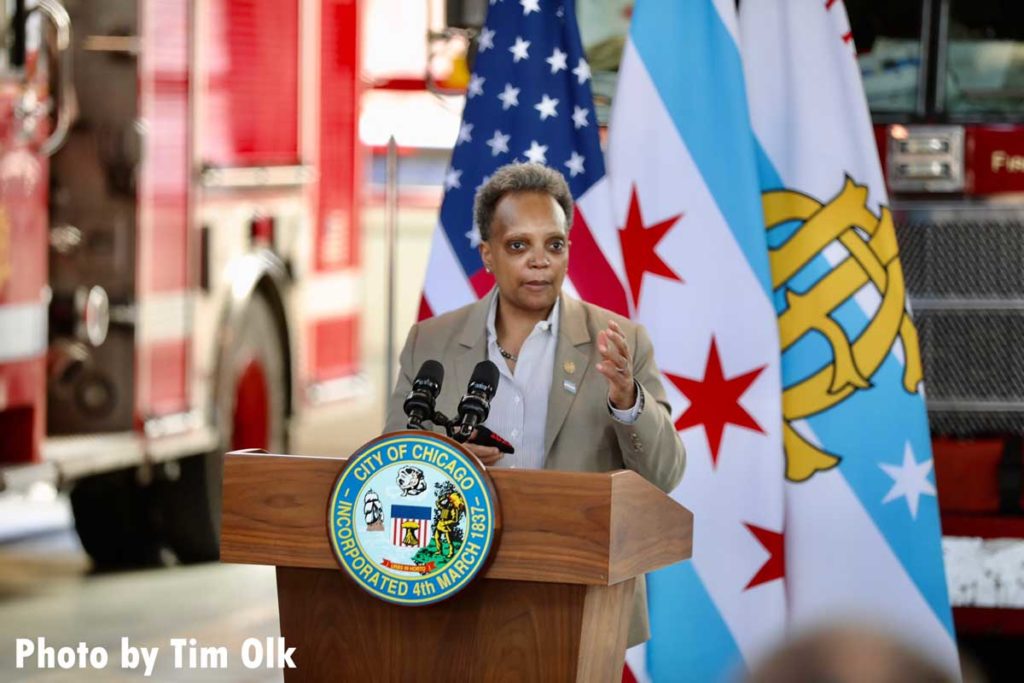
[412,518]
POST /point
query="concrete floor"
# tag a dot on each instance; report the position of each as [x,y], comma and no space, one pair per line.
[47,588]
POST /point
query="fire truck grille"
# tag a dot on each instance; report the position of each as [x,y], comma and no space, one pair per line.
[963,258]
[965,277]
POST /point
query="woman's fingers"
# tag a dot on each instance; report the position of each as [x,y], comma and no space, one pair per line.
[488,455]
[619,339]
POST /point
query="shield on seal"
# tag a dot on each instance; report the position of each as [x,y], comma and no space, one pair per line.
[410,526]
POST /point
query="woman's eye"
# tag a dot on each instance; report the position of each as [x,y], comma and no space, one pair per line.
[557,246]
[516,245]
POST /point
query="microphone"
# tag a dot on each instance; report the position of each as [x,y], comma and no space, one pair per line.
[419,404]
[476,404]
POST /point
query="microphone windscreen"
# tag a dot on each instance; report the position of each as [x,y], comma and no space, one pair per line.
[485,374]
[433,371]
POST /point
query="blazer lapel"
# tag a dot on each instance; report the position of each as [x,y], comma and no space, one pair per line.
[472,345]
[572,357]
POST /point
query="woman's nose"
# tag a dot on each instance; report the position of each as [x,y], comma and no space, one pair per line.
[539,261]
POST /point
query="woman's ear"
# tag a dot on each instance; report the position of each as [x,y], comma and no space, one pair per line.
[485,255]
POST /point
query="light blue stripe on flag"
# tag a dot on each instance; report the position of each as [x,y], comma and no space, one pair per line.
[709,108]
[896,418]
[689,639]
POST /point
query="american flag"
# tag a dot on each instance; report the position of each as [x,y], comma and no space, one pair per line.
[528,100]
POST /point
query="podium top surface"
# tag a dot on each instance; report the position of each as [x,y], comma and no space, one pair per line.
[564,527]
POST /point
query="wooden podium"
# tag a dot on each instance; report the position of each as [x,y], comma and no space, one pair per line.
[553,605]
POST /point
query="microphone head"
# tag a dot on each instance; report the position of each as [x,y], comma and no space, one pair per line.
[430,376]
[485,379]
[419,404]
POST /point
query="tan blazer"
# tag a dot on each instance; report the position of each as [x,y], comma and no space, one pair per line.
[580,435]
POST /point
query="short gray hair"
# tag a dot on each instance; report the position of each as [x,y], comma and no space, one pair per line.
[513,178]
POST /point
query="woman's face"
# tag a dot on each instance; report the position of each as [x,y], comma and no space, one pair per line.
[528,250]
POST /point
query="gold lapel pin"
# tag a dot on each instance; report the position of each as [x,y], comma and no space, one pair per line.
[569,367]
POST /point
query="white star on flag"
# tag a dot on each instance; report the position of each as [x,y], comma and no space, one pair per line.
[476,86]
[575,164]
[579,117]
[498,143]
[557,61]
[537,153]
[451,179]
[486,40]
[582,71]
[910,480]
[465,133]
[519,50]
[474,237]
[530,6]
[546,107]
[509,98]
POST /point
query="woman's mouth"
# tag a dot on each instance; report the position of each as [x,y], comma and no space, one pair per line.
[537,284]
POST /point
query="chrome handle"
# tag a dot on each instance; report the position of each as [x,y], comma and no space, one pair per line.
[67,108]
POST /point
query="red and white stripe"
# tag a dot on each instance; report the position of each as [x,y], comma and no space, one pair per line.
[24,331]
[162,345]
[398,533]
[23,301]
[162,281]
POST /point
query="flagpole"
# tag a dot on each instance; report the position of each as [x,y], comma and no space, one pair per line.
[390,234]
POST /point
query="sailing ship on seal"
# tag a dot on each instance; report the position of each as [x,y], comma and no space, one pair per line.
[373,511]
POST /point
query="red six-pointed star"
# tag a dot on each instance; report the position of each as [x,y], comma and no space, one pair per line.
[775,566]
[715,401]
[638,248]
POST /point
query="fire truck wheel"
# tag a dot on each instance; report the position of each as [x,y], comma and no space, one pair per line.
[113,518]
[251,400]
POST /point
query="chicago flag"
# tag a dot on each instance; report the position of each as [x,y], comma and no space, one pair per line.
[862,535]
[684,183]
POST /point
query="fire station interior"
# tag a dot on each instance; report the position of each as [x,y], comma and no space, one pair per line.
[174,294]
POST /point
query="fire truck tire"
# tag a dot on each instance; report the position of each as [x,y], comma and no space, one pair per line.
[190,509]
[255,366]
[114,520]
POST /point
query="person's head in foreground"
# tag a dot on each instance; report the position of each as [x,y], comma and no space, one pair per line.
[846,654]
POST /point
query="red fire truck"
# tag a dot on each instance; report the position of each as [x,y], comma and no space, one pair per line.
[945,82]
[179,257]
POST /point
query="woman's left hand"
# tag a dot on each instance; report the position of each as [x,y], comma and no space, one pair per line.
[617,366]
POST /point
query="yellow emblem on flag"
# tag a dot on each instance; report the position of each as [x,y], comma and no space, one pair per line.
[873,259]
